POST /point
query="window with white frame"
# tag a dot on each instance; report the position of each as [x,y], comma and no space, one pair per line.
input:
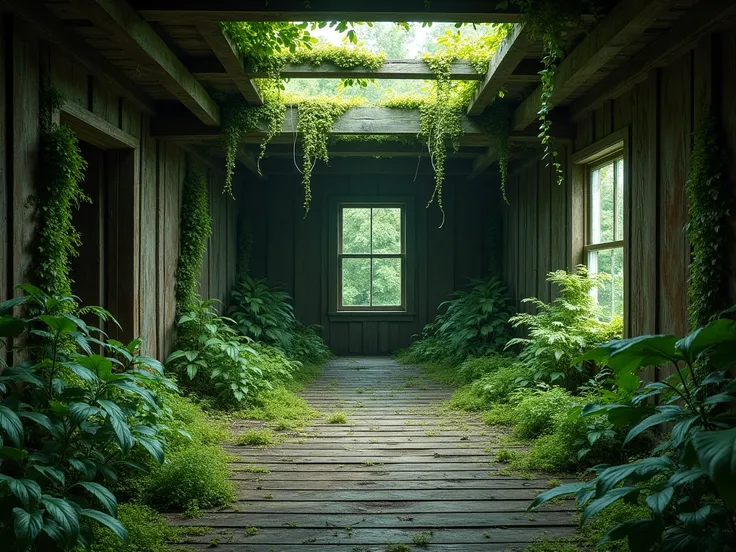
[605,233]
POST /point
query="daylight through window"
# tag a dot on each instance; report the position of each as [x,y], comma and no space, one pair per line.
[605,249]
[371,257]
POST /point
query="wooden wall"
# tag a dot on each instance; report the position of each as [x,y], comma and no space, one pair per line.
[291,250]
[661,113]
[144,225]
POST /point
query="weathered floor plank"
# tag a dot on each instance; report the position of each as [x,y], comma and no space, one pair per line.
[402,465]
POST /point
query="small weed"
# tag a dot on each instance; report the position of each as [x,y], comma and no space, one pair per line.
[390,547]
[333,383]
[554,482]
[268,496]
[291,524]
[337,418]
[359,405]
[257,438]
[252,469]
[422,539]
[192,511]
[250,531]
[359,390]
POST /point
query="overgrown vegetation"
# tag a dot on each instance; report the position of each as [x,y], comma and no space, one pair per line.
[709,203]
[61,169]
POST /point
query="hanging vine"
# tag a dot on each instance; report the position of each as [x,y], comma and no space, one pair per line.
[709,202]
[60,171]
[245,250]
[496,122]
[550,21]
[195,229]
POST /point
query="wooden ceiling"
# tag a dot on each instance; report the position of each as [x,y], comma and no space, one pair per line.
[171,58]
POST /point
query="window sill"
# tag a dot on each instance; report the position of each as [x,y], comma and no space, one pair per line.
[371,316]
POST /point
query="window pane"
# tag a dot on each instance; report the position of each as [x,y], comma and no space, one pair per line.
[386,282]
[356,230]
[601,200]
[620,199]
[610,296]
[356,282]
[387,230]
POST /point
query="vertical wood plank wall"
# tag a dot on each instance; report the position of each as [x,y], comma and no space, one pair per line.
[662,113]
[159,173]
[291,250]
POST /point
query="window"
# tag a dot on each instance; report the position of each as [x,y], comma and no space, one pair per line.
[605,237]
[371,257]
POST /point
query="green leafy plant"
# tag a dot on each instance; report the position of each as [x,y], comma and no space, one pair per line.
[70,419]
[687,481]
[561,330]
[61,170]
[709,202]
[263,313]
[195,229]
[475,323]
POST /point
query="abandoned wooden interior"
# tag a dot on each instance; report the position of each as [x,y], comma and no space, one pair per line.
[142,80]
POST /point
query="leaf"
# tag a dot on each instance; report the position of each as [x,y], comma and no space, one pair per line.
[685,477]
[642,534]
[27,526]
[108,521]
[98,364]
[65,516]
[665,414]
[10,326]
[678,539]
[717,335]
[154,448]
[716,452]
[610,477]
[54,474]
[6,307]
[630,354]
[611,496]
[12,425]
[658,502]
[40,419]
[81,412]
[117,421]
[696,518]
[102,493]
[58,324]
[25,490]
[83,372]
[563,490]
[87,468]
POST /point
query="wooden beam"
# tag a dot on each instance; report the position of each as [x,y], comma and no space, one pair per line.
[51,28]
[199,11]
[367,149]
[483,162]
[407,166]
[94,129]
[137,38]
[231,60]
[701,20]
[356,121]
[508,56]
[249,161]
[626,21]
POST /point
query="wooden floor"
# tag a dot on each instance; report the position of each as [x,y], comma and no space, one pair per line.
[401,466]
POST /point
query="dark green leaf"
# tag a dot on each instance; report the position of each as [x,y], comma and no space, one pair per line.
[106,498]
[25,490]
[664,414]
[678,539]
[716,452]
[59,324]
[54,474]
[64,515]
[116,419]
[642,534]
[719,334]
[11,425]
[642,469]
[87,468]
[657,502]
[27,526]
[108,521]
[611,496]
[563,490]
[11,326]
[697,518]
[40,419]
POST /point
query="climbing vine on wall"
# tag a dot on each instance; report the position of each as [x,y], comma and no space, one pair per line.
[195,229]
[550,21]
[61,170]
[496,122]
[709,201]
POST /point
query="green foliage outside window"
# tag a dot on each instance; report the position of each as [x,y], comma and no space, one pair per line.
[61,170]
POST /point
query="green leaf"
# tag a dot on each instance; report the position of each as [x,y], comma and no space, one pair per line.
[87,468]
[25,490]
[27,526]
[610,477]
[611,496]
[657,502]
[65,516]
[678,539]
[116,419]
[12,425]
[54,474]
[59,324]
[83,372]
[108,521]
[39,418]
[685,477]
[154,448]
[6,307]
[718,335]
[716,452]
[563,490]
[697,518]
[630,354]
[665,414]
[98,364]
[81,412]
[106,498]
[642,534]
[10,326]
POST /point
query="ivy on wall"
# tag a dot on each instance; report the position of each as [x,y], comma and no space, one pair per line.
[709,202]
[195,229]
[61,169]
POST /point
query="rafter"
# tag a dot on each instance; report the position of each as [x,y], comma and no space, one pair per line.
[231,61]
[52,29]
[508,56]
[697,22]
[138,39]
[626,21]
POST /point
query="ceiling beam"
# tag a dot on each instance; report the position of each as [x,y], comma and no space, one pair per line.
[198,11]
[231,61]
[180,126]
[508,56]
[626,21]
[483,162]
[138,39]
[52,29]
[701,20]
[397,166]
[213,69]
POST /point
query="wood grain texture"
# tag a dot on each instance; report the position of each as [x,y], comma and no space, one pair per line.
[396,469]
[674,162]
